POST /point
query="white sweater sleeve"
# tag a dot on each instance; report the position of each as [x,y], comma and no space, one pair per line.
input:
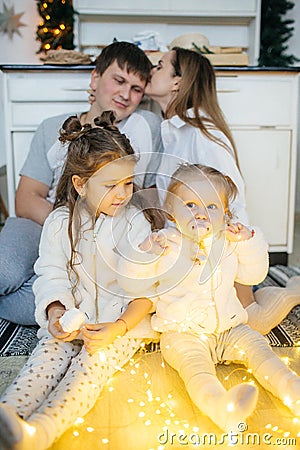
[253,259]
[53,283]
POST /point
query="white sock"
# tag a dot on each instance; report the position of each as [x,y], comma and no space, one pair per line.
[272,305]
[17,434]
[274,376]
[225,408]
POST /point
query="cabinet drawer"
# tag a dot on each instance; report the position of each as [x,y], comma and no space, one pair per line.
[41,87]
[257,100]
[28,115]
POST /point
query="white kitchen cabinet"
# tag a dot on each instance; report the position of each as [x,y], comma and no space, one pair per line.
[262,111]
[260,107]
[30,95]
[224,22]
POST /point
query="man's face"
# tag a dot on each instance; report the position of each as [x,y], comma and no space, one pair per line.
[117,90]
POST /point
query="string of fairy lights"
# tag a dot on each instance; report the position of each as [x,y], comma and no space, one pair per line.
[160,411]
[55,30]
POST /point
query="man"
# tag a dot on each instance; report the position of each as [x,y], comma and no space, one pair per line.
[118,81]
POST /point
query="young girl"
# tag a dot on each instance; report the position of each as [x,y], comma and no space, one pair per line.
[198,313]
[194,130]
[89,327]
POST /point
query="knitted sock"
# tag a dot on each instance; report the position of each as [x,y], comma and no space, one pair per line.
[272,305]
[17,434]
[274,376]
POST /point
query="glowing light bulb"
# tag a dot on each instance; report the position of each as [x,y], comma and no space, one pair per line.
[31,430]
[62,26]
[105,441]
[287,401]
[102,356]
[90,429]
[230,407]
[79,420]
[75,433]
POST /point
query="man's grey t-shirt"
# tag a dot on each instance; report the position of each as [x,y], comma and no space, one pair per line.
[46,156]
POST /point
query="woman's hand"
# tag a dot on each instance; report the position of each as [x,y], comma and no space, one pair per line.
[98,335]
[92,96]
[55,311]
[237,232]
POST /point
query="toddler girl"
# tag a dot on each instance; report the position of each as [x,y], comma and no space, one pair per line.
[198,313]
[89,326]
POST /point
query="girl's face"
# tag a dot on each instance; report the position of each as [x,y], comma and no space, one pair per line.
[109,189]
[164,83]
[199,211]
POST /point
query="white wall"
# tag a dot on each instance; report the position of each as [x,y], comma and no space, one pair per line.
[21,49]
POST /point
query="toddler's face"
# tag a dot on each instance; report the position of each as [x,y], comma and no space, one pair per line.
[110,188]
[198,209]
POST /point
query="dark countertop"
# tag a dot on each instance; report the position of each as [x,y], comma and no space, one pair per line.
[66,67]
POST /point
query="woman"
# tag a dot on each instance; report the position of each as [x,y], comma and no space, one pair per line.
[194,130]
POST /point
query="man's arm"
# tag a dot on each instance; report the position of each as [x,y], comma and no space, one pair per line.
[31,200]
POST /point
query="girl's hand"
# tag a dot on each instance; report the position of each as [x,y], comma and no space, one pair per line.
[98,335]
[55,311]
[236,232]
[156,243]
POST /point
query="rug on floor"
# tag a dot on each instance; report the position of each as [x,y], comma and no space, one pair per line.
[16,340]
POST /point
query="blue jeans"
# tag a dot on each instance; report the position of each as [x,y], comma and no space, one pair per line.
[19,246]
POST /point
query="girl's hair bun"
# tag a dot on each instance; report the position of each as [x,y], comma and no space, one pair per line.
[106,120]
[72,129]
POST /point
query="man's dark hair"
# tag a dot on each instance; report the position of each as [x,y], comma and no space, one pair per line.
[128,56]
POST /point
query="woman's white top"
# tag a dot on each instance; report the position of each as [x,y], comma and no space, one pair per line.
[185,143]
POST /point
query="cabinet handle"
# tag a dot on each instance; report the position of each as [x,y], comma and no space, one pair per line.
[74,89]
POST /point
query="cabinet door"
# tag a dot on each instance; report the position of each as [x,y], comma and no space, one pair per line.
[264,157]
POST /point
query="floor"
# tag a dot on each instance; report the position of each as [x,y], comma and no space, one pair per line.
[146,407]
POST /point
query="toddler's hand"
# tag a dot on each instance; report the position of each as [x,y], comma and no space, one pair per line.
[236,232]
[156,243]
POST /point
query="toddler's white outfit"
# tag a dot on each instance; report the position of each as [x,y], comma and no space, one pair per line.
[203,323]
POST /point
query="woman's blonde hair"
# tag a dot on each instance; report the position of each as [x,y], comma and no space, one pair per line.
[198,91]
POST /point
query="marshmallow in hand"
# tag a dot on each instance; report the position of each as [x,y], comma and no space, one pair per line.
[72,320]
